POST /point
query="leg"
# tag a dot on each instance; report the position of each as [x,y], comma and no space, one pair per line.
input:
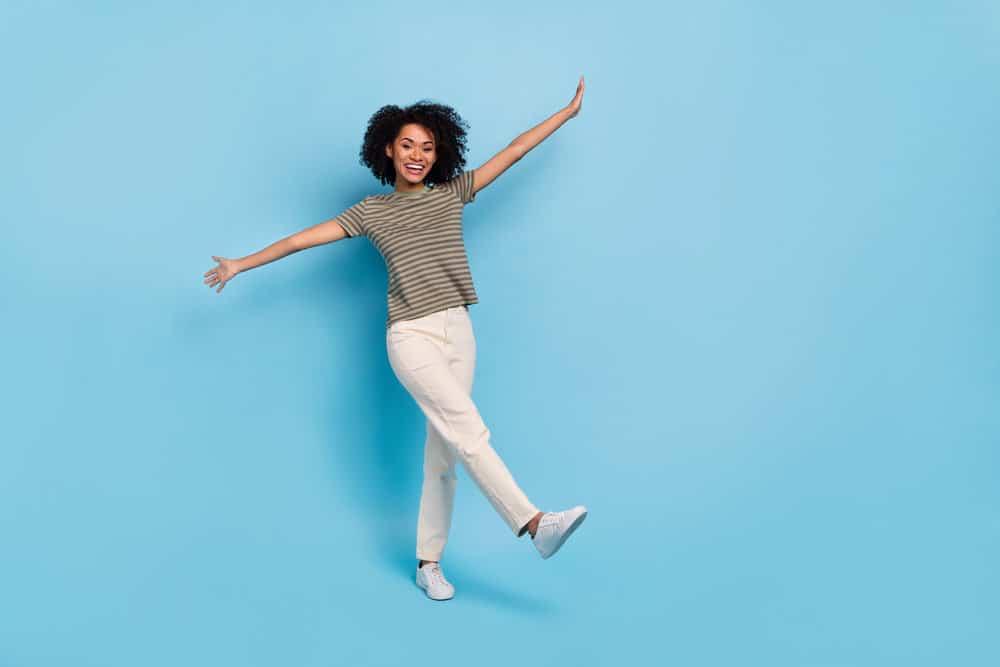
[421,361]
[437,496]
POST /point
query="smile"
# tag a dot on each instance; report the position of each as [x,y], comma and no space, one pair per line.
[414,168]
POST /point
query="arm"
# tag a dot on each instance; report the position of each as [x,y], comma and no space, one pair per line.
[517,149]
[324,232]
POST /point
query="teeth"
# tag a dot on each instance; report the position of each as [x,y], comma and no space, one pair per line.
[412,166]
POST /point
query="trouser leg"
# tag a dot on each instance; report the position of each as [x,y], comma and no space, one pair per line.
[437,496]
[423,354]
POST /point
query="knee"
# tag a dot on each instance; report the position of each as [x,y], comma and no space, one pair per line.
[473,447]
[443,471]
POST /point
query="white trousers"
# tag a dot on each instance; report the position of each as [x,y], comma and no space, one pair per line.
[434,357]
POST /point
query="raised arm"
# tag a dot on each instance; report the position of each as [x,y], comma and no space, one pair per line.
[500,162]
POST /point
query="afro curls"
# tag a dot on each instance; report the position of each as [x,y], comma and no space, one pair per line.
[444,124]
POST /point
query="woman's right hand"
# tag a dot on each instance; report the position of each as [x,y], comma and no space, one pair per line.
[221,274]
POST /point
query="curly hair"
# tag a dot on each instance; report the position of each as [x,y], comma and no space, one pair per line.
[444,124]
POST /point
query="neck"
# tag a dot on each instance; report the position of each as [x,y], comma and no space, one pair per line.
[406,186]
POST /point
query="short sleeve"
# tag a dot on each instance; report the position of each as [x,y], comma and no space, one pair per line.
[463,186]
[353,219]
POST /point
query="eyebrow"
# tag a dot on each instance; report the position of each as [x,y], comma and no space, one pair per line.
[411,139]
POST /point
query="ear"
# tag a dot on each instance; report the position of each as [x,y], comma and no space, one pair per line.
[388,150]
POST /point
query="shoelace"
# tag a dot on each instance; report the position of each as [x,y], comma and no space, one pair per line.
[435,571]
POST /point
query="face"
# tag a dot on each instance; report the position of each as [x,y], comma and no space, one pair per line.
[413,153]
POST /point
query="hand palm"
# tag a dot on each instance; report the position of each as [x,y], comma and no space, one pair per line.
[221,274]
[577,103]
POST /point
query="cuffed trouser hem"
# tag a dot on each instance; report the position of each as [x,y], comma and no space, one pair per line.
[523,521]
[431,557]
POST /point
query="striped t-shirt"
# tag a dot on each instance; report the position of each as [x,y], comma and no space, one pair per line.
[419,235]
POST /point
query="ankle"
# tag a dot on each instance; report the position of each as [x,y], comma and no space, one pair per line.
[532,526]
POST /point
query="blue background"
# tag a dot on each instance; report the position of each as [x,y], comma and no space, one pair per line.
[743,306]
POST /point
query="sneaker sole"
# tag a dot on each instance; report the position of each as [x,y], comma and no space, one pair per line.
[569,531]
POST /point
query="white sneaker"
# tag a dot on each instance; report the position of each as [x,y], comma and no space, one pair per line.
[555,527]
[431,579]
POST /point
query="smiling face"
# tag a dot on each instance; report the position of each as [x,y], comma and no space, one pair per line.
[413,154]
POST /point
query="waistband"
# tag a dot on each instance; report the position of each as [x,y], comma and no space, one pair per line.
[438,313]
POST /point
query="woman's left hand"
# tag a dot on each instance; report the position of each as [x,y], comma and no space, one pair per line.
[574,106]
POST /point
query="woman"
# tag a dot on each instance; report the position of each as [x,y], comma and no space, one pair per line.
[417,228]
